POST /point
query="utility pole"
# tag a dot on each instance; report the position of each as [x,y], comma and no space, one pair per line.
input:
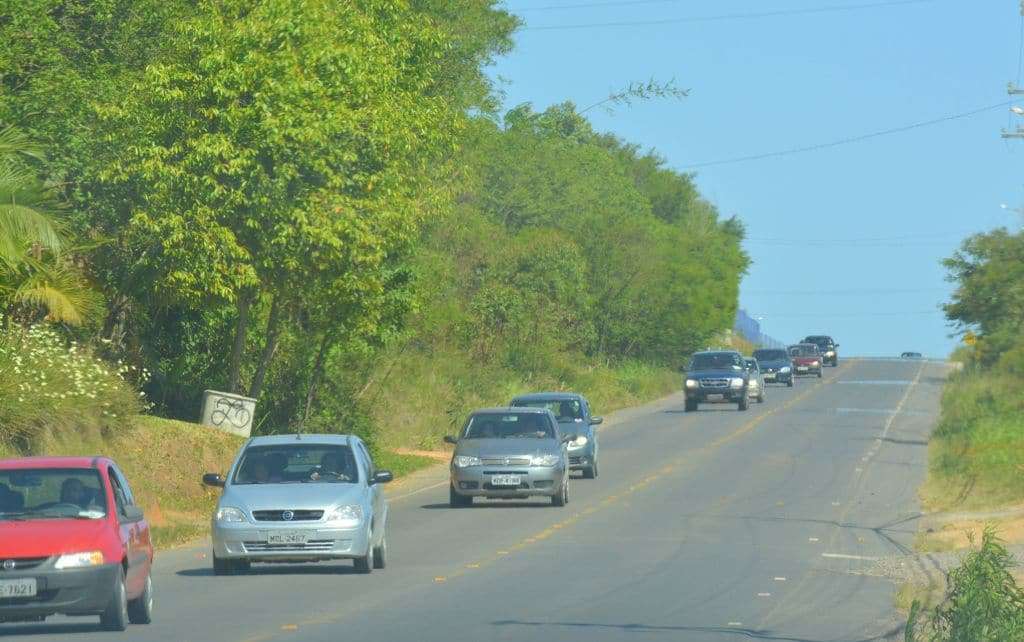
[1013,90]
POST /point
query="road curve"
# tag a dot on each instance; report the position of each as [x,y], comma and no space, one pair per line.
[716,525]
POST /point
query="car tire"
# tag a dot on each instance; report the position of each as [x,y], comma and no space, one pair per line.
[789,384]
[456,500]
[140,610]
[760,398]
[115,616]
[380,554]
[561,498]
[691,405]
[742,405]
[364,564]
[819,373]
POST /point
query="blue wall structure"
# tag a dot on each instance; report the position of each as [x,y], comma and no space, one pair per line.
[749,327]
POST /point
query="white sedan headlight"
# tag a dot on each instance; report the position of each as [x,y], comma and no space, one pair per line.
[829,353]
[230,514]
[545,460]
[578,443]
[736,382]
[691,383]
[79,560]
[465,461]
[348,516]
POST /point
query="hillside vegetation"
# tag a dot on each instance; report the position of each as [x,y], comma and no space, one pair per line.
[319,204]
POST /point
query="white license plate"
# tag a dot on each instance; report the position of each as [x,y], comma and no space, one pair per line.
[802,368]
[715,397]
[287,537]
[769,377]
[505,480]
[18,588]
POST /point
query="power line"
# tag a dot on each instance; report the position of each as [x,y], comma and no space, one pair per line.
[778,13]
[831,315]
[828,292]
[851,139]
[589,5]
[872,239]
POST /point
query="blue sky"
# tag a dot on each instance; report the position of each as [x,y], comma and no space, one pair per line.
[774,83]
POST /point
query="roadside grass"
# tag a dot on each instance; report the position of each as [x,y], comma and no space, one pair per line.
[426,397]
[977,451]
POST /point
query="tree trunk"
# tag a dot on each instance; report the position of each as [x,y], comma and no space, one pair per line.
[269,348]
[314,381]
[237,350]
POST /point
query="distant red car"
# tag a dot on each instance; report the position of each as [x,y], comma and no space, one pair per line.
[73,542]
[807,359]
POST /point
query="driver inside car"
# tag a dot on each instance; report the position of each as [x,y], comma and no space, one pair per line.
[73,491]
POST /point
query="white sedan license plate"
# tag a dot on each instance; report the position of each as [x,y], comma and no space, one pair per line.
[802,368]
[18,588]
[715,397]
[505,480]
[287,537]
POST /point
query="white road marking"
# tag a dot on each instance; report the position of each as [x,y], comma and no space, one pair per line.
[878,411]
[878,382]
[780,579]
[835,503]
[418,491]
[812,539]
[844,556]
[735,624]
[764,594]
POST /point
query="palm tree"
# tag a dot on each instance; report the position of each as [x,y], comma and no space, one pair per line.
[34,272]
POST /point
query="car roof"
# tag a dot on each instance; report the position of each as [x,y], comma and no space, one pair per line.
[53,462]
[301,438]
[803,343]
[549,396]
[506,410]
[716,352]
[815,337]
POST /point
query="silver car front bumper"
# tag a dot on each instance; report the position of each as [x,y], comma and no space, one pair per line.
[245,540]
[475,481]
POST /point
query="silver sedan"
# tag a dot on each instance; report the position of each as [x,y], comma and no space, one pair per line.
[510,453]
[300,498]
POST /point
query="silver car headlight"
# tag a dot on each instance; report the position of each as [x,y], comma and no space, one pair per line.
[545,460]
[829,353]
[229,514]
[785,369]
[578,443]
[691,383]
[348,516]
[736,382]
[465,461]
[815,362]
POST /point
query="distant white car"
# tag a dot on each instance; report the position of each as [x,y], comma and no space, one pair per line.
[756,387]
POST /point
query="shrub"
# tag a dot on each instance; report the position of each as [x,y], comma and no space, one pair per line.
[50,387]
[982,604]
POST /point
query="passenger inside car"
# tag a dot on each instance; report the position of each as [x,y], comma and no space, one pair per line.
[10,500]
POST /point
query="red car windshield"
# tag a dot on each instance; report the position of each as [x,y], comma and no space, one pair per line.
[51,493]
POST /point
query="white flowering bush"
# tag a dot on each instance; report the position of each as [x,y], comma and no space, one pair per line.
[48,385]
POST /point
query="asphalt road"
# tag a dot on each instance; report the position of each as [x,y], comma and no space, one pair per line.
[717,525]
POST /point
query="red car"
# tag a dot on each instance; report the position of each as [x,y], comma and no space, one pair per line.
[73,542]
[806,358]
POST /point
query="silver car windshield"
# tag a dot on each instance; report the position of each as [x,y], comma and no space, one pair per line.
[297,463]
[565,409]
[509,426]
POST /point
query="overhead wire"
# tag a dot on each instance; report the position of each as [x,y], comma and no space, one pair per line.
[593,5]
[776,13]
[847,140]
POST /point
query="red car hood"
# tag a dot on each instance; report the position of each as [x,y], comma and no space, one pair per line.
[45,537]
[805,361]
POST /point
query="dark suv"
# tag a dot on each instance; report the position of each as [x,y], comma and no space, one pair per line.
[717,377]
[829,349]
